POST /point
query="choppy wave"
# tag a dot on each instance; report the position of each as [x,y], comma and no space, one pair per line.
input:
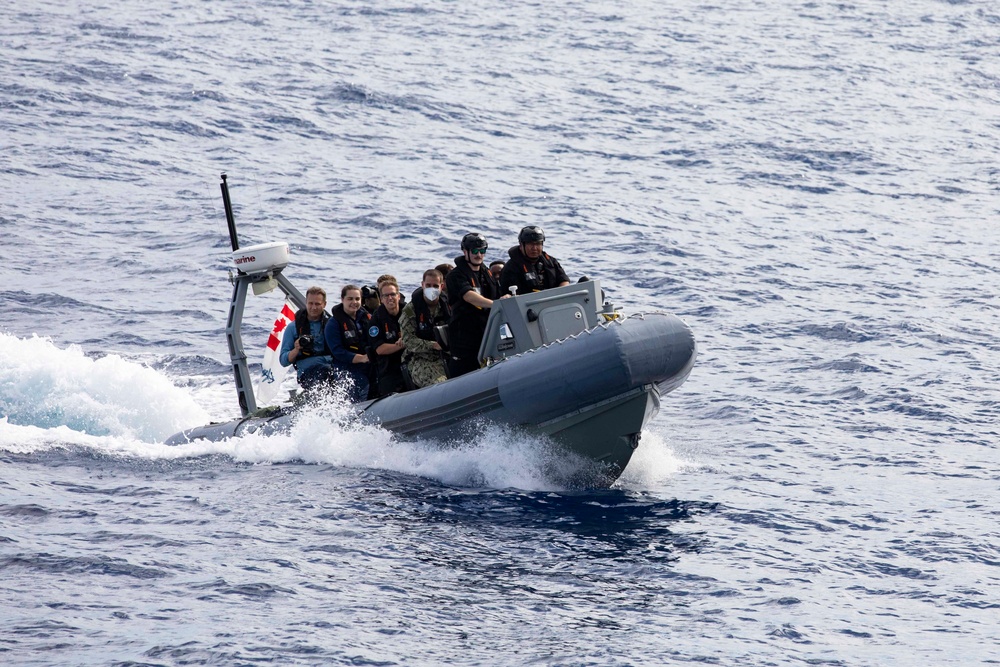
[812,186]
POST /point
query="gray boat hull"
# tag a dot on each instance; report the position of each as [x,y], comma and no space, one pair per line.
[592,392]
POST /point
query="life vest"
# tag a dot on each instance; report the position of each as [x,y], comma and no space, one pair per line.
[391,328]
[482,281]
[533,276]
[385,326]
[303,327]
[423,321]
[352,339]
[468,322]
[530,275]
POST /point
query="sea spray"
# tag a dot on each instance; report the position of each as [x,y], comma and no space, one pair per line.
[653,464]
[59,398]
[46,386]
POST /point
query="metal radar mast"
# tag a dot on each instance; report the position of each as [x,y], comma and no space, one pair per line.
[259,267]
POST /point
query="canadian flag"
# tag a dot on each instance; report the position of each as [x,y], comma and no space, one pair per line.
[272,373]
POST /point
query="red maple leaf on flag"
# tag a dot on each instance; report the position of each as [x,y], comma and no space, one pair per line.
[287,315]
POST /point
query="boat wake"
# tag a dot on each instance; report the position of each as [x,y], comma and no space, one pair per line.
[60,402]
[49,387]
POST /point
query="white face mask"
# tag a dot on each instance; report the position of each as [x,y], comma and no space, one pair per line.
[431,293]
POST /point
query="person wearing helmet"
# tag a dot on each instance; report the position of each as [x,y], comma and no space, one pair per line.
[530,268]
[471,290]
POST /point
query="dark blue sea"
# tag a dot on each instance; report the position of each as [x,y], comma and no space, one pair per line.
[813,186]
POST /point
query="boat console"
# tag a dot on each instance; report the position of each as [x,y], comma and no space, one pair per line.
[525,322]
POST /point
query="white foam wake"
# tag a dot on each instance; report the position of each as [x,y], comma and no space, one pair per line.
[653,464]
[48,387]
[52,398]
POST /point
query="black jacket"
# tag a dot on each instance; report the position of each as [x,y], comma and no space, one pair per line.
[468,322]
[530,275]
[384,328]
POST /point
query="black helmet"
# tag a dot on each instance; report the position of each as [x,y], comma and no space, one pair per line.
[531,234]
[474,241]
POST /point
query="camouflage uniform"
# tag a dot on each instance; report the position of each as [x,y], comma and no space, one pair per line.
[424,362]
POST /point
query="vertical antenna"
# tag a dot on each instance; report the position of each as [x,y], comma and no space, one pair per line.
[230,220]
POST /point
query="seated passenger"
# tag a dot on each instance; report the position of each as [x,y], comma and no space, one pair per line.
[444,269]
[369,298]
[530,269]
[385,340]
[388,277]
[425,311]
[303,344]
[347,338]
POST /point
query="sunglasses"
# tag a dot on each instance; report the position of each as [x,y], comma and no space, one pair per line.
[478,251]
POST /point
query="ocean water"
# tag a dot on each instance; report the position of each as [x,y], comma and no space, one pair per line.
[812,186]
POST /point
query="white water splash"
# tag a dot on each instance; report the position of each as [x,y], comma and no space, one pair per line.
[498,458]
[48,387]
[653,464]
[54,398]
